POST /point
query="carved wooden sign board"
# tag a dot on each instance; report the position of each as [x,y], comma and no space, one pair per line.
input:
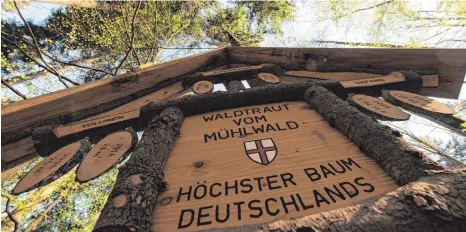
[262,163]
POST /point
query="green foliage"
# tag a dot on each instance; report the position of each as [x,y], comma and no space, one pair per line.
[77,210]
[442,26]
[108,40]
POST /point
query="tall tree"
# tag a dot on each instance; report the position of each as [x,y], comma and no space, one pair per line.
[436,23]
[119,36]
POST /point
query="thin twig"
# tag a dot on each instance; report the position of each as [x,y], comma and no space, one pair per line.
[36,61]
[13,89]
[9,214]
[77,65]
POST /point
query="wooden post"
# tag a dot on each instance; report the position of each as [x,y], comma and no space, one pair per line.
[131,204]
[401,161]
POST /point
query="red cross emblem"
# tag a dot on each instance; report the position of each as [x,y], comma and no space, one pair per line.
[261,151]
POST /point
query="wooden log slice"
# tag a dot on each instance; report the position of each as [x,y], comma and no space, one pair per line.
[53,167]
[377,107]
[202,87]
[268,77]
[420,101]
[108,152]
[427,108]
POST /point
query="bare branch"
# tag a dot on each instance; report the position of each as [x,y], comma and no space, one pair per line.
[131,40]
[36,45]
[36,61]
[14,90]
[77,65]
[8,212]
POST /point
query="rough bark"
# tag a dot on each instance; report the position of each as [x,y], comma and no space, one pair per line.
[130,206]
[400,160]
[65,168]
[257,82]
[198,104]
[207,103]
[436,202]
[451,122]
[235,86]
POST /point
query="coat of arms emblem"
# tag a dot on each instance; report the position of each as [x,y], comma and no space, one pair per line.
[262,151]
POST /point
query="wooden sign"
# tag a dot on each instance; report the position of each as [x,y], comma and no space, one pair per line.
[105,154]
[202,87]
[72,128]
[268,77]
[421,102]
[393,77]
[337,76]
[53,167]
[231,70]
[379,107]
[262,163]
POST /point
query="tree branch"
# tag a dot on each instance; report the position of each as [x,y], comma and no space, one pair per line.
[13,89]
[9,214]
[77,65]
[36,61]
[131,40]
[36,45]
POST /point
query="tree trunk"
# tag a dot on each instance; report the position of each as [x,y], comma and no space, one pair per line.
[451,122]
[400,160]
[131,204]
[436,202]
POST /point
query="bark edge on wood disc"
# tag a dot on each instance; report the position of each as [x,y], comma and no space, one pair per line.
[268,77]
[202,87]
[379,106]
[420,101]
[108,152]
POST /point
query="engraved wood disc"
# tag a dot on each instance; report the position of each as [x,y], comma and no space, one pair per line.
[421,102]
[53,166]
[268,77]
[202,87]
[379,106]
[106,153]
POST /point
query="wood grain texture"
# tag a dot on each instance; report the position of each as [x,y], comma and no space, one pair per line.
[377,107]
[105,154]
[53,167]
[194,161]
[433,203]
[28,112]
[449,121]
[337,76]
[449,62]
[24,148]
